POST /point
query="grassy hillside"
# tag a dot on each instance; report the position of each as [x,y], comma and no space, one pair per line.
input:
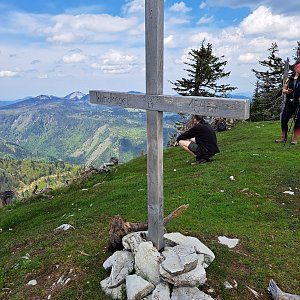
[252,208]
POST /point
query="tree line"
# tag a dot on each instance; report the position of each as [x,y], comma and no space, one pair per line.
[19,175]
[205,70]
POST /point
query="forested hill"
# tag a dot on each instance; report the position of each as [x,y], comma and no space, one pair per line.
[22,175]
[73,130]
[248,191]
[12,150]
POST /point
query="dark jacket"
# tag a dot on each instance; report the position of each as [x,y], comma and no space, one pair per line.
[204,135]
[295,86]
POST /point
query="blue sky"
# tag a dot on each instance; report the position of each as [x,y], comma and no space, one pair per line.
[56,47]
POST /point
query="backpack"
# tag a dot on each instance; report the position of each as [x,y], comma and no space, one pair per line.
[221,126]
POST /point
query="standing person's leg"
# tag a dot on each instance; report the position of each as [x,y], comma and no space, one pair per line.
[296,126]
[285,116]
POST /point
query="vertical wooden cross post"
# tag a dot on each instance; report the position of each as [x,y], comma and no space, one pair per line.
[154,18]
[155,103]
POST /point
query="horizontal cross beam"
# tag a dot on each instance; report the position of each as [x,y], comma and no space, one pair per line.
[208,106]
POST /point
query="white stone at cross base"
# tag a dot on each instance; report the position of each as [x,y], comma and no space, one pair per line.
[192,278]
[137,287]
[147,261]
[179,259]
[132,240]
[115,293]
[162,292]
[176,238]
[187,293]
[121,264]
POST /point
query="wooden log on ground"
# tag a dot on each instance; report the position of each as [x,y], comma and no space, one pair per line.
[119,227]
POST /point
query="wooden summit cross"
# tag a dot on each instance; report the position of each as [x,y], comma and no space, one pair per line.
[155,103]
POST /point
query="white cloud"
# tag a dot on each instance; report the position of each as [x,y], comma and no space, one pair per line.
[8,74]
[182,59]
[169,41]
[74,58]
[248,58]
[35,61]
[203,5]
[66,28]
[178,21]
[277,6]
[116,62]
[43,76]
[180,7]
[199,37]
[134,6]
[205,20]
[264,21]
[260,43]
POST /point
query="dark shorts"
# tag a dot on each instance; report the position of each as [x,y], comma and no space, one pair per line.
[194,148]
[200,152]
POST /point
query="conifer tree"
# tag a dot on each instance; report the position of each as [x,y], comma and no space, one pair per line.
[266,101]
[297,56]
[204,71]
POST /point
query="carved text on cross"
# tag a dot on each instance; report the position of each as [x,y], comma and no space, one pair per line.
[214,107]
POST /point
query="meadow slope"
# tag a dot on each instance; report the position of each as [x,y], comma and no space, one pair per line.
[253,208]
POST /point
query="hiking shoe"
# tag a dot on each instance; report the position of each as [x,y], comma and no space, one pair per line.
[199,161]
[294,142]
[281,140]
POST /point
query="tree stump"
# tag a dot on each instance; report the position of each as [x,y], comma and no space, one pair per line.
[119,227]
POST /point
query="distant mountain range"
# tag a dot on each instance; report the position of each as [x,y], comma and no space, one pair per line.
[79,95]
[73,130]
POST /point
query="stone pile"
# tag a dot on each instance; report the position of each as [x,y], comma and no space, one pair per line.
[141,272]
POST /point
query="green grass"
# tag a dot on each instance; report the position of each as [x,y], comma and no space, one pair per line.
[252,208]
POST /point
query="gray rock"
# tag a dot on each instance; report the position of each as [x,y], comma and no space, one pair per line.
[188,293]
[227,285]
[132,240]
[180,259]
[115,293]
[201,260]
[209,256]
[277,294]
[149,297]
[162,292]
[176,238]
[121,264]
[147,260]
[193,278]
[32,282]
[137,288]
[230,243]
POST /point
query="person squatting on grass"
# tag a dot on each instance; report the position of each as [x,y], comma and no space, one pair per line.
[292,90]
[205,145]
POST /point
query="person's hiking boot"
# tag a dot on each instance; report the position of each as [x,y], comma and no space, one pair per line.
[294,142]
[281,140]
[199,161]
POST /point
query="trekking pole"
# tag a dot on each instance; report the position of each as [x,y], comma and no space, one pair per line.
[284,81]
[295,117]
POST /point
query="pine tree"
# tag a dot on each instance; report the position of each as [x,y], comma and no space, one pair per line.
[266,101]
[205,69]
